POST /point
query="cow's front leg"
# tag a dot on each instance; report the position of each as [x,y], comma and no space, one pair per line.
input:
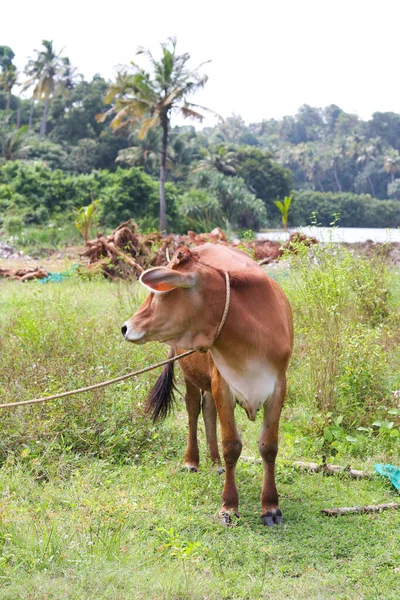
[231,445]
[268,447]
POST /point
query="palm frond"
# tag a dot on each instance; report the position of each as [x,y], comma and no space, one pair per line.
[148,124]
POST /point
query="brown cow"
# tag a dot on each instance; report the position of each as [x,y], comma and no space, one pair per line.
[250,354]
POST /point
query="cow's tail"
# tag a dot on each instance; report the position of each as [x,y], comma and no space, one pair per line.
[161,398]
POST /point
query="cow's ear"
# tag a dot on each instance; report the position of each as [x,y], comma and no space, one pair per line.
[162,279]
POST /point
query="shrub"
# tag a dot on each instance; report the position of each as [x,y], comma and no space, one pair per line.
[124,194]
[239,207]
[201,210]
[341,301]
[354,210]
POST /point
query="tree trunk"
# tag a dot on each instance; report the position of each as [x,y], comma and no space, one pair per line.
[339,187]
[321,187]
[163,210]
[31,115]
[7,107]
[43,124]
[371,185]
[19,117]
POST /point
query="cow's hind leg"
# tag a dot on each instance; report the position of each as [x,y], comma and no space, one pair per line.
[210,425]
[268,447]
[231,445]
[193,407]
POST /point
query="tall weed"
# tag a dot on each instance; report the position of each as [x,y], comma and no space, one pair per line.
[341,303]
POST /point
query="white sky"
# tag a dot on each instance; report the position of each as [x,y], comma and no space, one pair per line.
[268,57]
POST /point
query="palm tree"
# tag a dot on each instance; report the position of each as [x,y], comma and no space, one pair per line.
[13,144]
[217,159]
[146,152]
[333,155]
[311,161]
[50,74]
[150,99]
[8,74]
[364,151]
[391,162]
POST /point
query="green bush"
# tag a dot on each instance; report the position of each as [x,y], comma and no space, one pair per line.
[238,206]
[354,210]
[124,194]
[361,382]
[13,224]
[201,210]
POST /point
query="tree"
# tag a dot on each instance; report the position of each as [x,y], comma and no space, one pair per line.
[308,156]
[385,125]
[146,152]
[13,144]
[8,75]
[150,99]
[50,74]
[365,151]
[218,158]
[391,163]
[263,176]
[237,205]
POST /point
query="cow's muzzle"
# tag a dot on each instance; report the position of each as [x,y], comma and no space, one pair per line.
[130,334]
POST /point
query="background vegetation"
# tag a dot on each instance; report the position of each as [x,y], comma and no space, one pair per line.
[329,160]
[93,501]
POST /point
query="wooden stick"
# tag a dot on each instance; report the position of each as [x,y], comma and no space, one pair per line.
[313,467]
[345,510]
[331,469]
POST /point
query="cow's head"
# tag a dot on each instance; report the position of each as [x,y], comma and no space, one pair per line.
[184,307]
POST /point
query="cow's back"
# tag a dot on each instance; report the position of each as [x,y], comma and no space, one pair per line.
[226,258]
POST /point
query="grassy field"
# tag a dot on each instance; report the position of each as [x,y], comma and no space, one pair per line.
[93,500]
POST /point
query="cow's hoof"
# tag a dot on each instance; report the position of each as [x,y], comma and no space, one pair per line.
[228,518]
[272,517]
[190,469]
[220,470]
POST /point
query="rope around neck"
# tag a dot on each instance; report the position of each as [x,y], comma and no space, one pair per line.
[227,303]
[96,386]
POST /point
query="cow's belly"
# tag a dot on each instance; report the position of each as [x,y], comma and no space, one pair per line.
[251,387]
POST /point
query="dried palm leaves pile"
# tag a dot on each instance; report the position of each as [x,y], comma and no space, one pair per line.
[24,274]
[126,253]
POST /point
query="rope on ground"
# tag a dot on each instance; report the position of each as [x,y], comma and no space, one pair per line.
[97,385]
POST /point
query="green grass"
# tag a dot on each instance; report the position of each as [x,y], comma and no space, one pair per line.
[147,531]
[93,500]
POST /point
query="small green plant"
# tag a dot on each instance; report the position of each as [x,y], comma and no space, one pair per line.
[247,237]
[182,550]
[284,209]
[85,218]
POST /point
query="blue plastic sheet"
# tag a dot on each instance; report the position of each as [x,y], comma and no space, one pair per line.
[390,471]
[57,277]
